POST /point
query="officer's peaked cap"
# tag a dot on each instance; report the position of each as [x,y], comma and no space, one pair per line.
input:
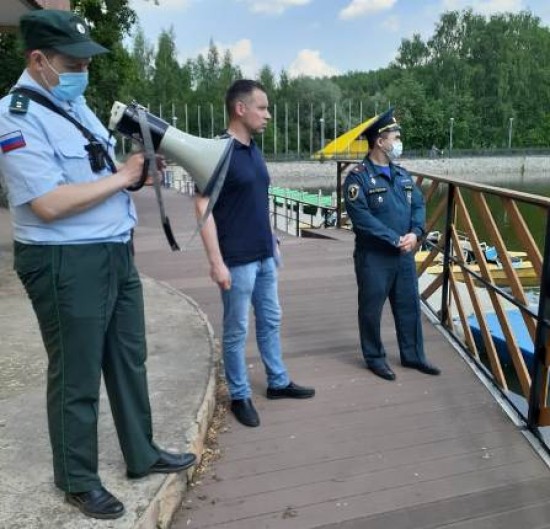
[62,31]
[384,122]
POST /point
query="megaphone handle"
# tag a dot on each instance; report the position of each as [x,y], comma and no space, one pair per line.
[144,174]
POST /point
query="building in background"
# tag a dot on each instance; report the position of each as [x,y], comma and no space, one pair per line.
[11,10]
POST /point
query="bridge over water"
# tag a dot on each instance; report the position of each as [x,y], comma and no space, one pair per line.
[420,452]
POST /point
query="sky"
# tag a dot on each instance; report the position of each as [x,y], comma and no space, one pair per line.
[307,37]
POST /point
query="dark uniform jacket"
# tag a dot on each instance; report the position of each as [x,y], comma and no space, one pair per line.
[382,209]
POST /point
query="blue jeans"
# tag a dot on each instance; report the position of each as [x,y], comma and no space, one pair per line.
[254,282]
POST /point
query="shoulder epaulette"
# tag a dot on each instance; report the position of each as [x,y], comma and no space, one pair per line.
[19,104]
[358,169]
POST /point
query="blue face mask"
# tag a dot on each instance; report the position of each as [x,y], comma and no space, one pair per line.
[71,84]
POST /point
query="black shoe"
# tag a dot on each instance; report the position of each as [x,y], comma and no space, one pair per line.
[98,503]
[245,413]
[292,391]
[423,367]
[382,370]
[166,464]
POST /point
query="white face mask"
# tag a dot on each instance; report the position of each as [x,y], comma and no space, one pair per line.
[396,150]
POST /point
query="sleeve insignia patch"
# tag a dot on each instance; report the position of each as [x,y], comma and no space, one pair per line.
[353,192]
[11,141]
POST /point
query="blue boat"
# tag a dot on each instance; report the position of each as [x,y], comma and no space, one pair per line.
[519,329]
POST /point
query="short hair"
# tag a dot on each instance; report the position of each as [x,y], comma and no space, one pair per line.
[239,90]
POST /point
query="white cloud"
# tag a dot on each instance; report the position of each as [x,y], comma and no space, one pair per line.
[273,7]
[242,55]
[484,7]
[309,63]
[360,8]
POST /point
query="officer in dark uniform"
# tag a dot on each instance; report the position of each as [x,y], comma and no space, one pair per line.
[388,215]
[72,221]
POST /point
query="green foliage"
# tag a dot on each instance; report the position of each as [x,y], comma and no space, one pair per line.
[484,73]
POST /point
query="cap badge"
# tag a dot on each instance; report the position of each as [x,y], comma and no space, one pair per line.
[80,28]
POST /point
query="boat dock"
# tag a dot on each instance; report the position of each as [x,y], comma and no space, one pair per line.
[421,452]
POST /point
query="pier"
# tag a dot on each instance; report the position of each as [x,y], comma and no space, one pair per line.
[421,452]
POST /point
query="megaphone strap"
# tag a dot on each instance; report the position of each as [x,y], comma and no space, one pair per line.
[218,180]
[150,159]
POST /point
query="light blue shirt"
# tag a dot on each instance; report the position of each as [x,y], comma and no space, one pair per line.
[47,151]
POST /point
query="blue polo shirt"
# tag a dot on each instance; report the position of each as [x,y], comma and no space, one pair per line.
[242,210]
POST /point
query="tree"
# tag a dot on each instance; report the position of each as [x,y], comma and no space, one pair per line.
[412,53]
[110,22]
[139,85]
[167,73]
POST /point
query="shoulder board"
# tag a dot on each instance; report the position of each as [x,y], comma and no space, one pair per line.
[19,104]
[358,169]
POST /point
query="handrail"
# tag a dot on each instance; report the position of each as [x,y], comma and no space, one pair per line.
[528,198]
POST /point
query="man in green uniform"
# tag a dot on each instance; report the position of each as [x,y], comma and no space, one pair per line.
[72,221]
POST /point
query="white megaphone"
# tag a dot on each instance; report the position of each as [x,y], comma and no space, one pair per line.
[206,160]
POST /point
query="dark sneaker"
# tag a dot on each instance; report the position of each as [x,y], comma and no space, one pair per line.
[98,503]
[245,413]
[292,391]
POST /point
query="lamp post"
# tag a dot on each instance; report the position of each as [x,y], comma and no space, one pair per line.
[322,123]
[451,124]
[510,125]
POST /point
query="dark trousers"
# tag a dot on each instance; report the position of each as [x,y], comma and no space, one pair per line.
[381,276]
[89,304]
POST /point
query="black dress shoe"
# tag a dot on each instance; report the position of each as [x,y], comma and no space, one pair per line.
[98,503]
[383,371]
[245,413]
[423,367]
[292,391]
[166,464]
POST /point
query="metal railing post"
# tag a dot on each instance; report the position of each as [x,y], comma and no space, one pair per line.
[287,214]
[537,382]
[444,312]
[339,194]
[275,211]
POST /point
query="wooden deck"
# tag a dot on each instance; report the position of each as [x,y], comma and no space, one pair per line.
[420,452]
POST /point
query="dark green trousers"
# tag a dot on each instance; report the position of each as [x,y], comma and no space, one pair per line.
[89,303]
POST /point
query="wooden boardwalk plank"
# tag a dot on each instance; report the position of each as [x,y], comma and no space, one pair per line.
[421,452]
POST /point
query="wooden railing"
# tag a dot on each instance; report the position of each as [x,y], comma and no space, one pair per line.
[460,285]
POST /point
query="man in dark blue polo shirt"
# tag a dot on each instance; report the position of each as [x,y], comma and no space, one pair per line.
[239,244]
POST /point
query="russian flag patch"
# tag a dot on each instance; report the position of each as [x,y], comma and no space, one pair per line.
[11,141]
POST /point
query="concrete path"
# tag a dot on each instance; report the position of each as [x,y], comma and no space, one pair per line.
[181,368]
